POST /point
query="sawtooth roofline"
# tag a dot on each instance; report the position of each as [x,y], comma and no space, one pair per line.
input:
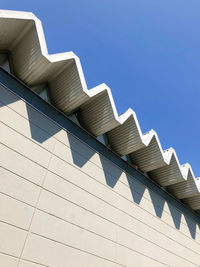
[22,35]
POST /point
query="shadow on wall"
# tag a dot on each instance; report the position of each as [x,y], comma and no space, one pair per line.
[42,129]
[37,120]
[137,189]
[81,154]
[192,226]
[46,129]
[158,203]
[176,216]
[111,172]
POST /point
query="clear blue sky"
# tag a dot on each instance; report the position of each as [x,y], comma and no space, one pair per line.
[147,51]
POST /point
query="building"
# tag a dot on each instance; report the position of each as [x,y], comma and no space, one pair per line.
[81,186]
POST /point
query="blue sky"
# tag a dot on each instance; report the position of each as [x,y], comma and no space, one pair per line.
[146,51]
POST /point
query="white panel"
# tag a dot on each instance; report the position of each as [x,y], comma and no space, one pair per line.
[20,165]
[54,254]
[23,146]
[8,261]
[18,187]
[15,212]
[12,239]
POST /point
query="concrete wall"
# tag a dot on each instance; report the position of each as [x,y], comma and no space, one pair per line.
[63,204]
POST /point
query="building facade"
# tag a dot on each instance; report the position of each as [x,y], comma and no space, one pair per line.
[81,186]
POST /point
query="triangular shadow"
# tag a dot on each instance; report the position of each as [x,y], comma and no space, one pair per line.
[40,126]
[137,189]
[176,215]
[42,129]
[81,153]
[158,203]
[192,226]
[111,172]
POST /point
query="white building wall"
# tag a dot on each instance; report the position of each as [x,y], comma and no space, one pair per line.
[63,204]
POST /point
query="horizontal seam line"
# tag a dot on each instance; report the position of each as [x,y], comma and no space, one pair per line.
[100,198]
[72,149]
[107,188]
[90,230]
[89,176]
[95,214]
[69,147]
[94,254]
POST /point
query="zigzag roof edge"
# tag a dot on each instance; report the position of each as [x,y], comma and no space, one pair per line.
[120,120]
